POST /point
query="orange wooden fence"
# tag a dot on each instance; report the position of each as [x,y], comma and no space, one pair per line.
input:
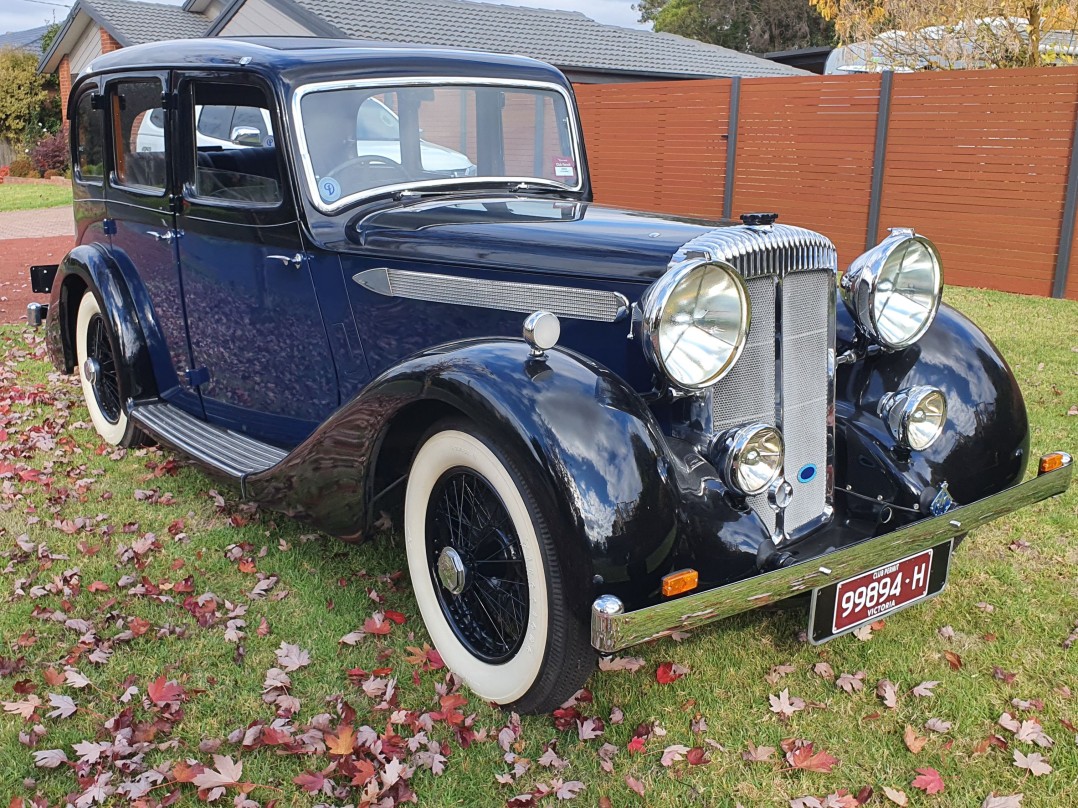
[979,161]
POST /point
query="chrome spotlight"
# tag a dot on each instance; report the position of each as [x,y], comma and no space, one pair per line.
[750,458]
[915,416]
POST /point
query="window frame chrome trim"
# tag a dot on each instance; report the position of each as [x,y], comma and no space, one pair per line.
[426,81]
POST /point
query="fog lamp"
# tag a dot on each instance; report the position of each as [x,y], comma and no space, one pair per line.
[750,458]
[915,416]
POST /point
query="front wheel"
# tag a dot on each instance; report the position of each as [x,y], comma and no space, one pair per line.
[99,372]
[486,573]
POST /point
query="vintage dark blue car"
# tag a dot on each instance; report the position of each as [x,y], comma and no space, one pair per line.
[355,277]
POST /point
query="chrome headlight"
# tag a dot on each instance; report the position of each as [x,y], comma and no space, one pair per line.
[894,289]
[750,458]
[695,321]
[915,416]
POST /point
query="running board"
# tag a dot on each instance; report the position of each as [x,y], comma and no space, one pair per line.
[229,452]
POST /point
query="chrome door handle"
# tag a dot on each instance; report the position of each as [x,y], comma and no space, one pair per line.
[295,260]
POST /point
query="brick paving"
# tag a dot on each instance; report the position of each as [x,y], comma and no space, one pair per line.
[28,237]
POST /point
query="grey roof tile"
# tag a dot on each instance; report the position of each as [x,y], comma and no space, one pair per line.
[29,40]
[134,23]
[567,39]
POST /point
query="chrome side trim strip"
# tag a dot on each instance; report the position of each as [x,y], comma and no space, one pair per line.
[775,249]
[564,301]
[612,632]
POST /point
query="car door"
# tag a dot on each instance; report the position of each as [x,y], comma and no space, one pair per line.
[261,355]
[141,223]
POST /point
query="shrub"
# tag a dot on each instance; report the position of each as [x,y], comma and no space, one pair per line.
[52,172]
[4,171]
[23,167]
[51,153]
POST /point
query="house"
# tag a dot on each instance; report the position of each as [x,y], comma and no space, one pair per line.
[28,40]
[587,51]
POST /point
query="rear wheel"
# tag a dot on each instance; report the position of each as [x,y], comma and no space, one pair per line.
[99,372]
[486,573]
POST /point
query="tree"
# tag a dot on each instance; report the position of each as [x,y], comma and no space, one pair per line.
[944,34]
[28,110]
[757,26]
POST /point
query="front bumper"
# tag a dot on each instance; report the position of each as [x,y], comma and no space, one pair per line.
[613,629]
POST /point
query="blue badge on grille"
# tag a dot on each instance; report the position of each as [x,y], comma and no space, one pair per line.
[807,473]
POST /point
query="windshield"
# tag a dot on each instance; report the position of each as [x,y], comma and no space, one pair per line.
[360,141]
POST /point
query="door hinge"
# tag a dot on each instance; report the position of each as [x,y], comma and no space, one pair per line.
[110,226]
[168,100]
[175,204]
[197,376]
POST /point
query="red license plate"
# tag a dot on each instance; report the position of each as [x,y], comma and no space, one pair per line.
[883,590]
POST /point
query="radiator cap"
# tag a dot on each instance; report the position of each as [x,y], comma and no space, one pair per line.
[759,219]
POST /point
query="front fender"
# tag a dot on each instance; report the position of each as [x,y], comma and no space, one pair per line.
[985,442]
[89,268]
[596,455]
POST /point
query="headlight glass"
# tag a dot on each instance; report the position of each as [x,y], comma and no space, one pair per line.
[915,416]
[696,318]
[752,458]
[894,289]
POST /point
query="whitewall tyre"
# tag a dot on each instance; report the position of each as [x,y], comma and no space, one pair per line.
[97,364]
[486,575]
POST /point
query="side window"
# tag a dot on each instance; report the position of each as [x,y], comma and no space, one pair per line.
[240,164]
[89,140]
[138,132]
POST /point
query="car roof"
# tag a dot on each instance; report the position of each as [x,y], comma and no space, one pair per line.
[299,59]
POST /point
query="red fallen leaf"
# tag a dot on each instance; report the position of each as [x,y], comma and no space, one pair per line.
[953,659]
[274,737]
[987,743]
[311,782]
[376,624]
[54,678]
[1068,725]
[162,692]
[636,745]
[635,785]
[566,717]
[669,672]
[864,795]
[263,628]
[183,773]
[396,617]
[364,772]
[928,780]
[697,756]
[1004,676]
[805,758]
[248,565]
[138,626]
[98,586]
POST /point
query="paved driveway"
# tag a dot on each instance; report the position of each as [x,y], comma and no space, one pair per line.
[29,237]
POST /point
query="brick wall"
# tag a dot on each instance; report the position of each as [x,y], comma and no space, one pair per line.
[108,44]
[65,85]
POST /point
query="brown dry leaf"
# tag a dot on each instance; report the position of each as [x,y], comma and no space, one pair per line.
[777,672]
[1009,801]
[937,725]
[924,690]
[851,681]
[887,693]
[785,705]
[914,742]
[1034,762]
[896,796]
[823,670]
[758,754]
[953,659]
[864,633]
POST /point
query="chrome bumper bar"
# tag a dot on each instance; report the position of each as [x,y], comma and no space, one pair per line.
[613,629]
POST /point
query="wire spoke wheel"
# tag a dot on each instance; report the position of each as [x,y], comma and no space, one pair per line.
[106,385]
[477,565]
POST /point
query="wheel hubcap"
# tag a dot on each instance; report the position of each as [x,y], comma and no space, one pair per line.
[477,565]
[451,571]
[91,370]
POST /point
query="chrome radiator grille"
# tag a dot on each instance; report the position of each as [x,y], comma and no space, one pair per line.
[783,376]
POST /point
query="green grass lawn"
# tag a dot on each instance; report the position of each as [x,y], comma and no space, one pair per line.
[126,567]
[28,197]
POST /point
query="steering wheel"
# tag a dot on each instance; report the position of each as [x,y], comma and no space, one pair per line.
[366,161]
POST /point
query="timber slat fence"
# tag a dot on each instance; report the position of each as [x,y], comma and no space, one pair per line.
[985,163]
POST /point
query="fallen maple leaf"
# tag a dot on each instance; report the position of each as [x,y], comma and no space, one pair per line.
[635,785]
[630,664]
[914,742]
[569,790]
[758,754]
[589,728]
[784,705]
[896,796]
[851,681]
[65,706]
[292,657]
[938,725]
[311,782]
[697,756]
[163,692]
[885,689]
[924,690]
[672,754]
[824,670]
[928,780]
[25,707]
[49,758]
[342,742]
[805,758]
[225,773]
[953,659]
[1034,762]
[669,672]
[1009,801]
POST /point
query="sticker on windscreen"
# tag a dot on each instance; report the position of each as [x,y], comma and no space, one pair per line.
[564,167]
[329,189]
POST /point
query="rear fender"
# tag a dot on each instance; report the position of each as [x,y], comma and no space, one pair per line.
[596,455]
[90,268]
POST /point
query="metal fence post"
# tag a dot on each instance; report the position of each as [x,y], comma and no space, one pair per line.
[731,147]
[883,118]
[1066,228]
